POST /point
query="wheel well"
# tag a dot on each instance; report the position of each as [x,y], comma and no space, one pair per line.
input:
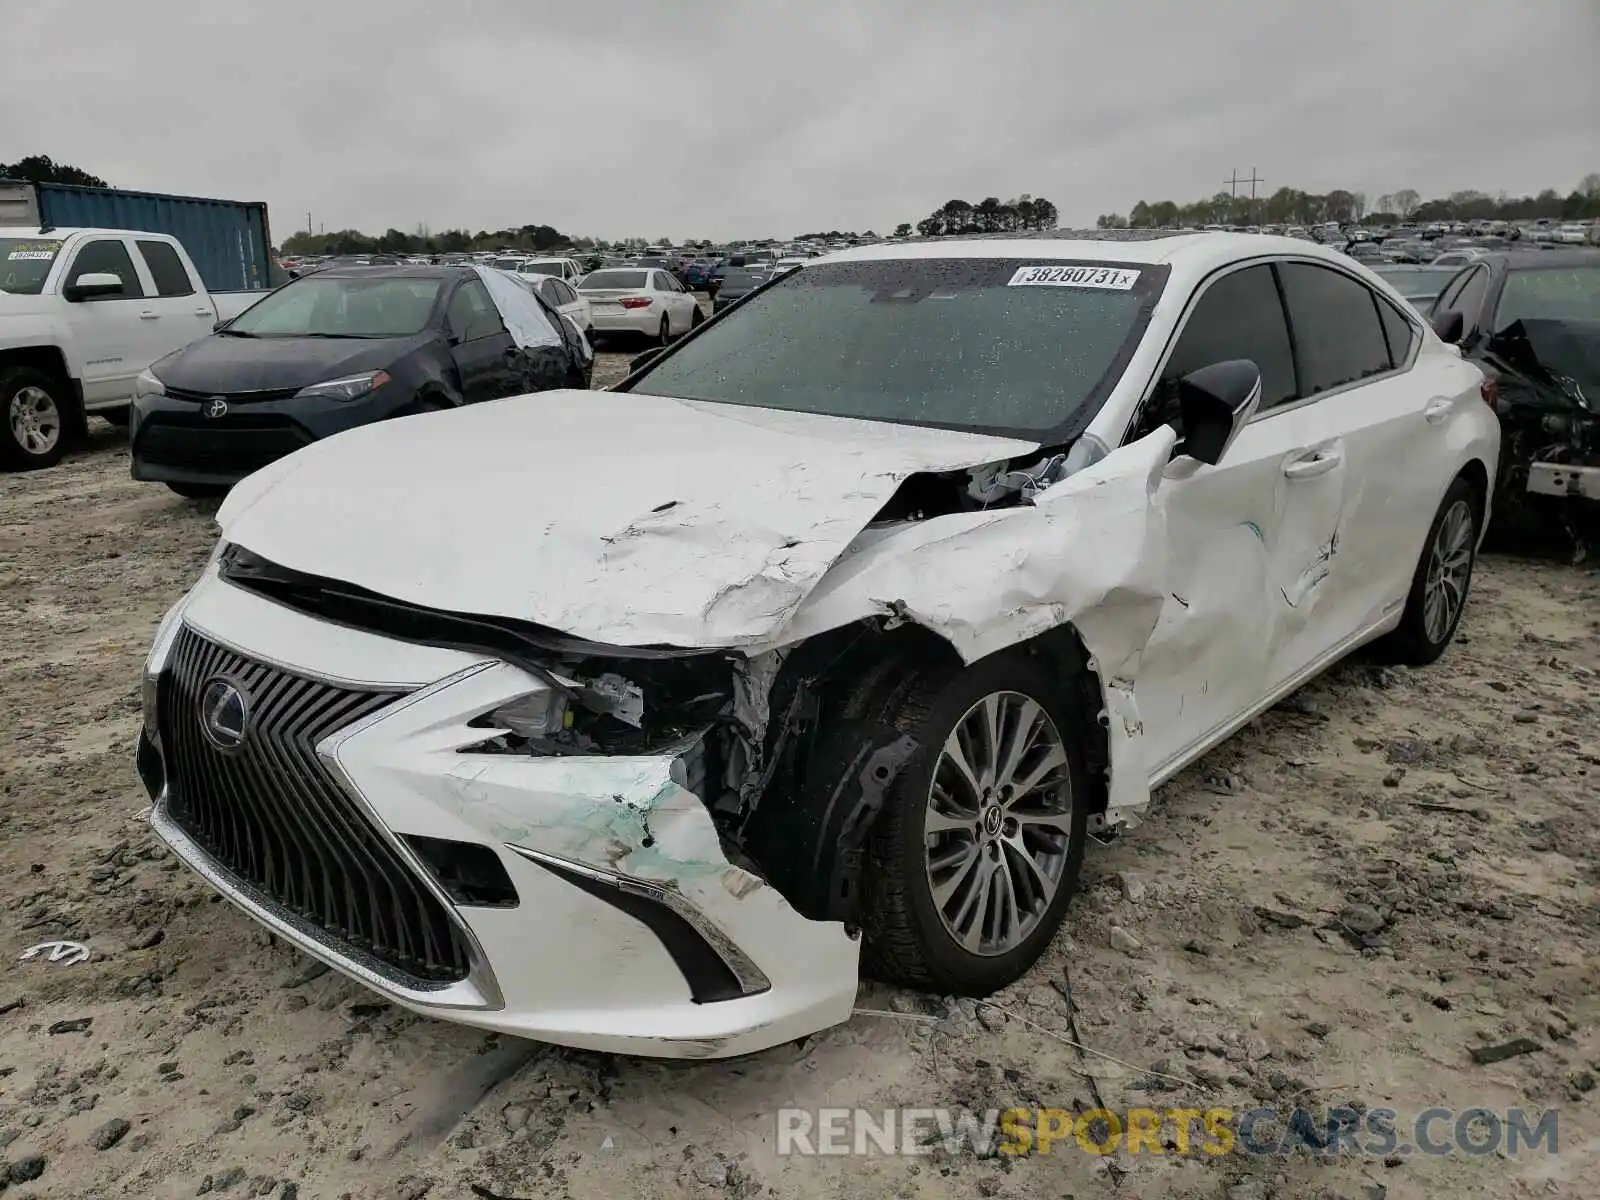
[41,358]
[1477,477]
[832,749]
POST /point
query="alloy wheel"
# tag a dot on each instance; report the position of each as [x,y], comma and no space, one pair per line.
[35,420]
[998,823]
[1449,569]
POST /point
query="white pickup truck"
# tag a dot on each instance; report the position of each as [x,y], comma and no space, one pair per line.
[82,312]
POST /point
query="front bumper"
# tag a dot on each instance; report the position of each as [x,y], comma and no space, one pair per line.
[625,906]
[172,440]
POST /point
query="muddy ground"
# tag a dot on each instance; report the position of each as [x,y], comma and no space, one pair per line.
[1391,868]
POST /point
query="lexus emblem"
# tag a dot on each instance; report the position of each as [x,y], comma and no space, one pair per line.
[224,713]
[218,407]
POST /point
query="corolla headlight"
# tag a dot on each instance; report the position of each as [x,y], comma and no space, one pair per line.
[148,385]
[350,387]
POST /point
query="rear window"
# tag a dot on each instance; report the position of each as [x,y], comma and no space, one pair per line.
[24,263]
[540,268]
[1552,293]
[603,280]
[998,345]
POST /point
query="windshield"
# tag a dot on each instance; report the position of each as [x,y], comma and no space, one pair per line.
[604,280]
[999,345]
[1557,293]
[24,262]
[342,306]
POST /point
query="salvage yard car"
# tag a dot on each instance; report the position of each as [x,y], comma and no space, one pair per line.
[647,720]
[341,348]
[1533,319]
[82,312]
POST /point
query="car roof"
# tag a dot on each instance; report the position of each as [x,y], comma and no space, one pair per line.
[399,271]
[1196,251]
[1535,260]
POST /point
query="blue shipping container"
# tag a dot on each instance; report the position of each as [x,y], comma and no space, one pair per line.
[228,240]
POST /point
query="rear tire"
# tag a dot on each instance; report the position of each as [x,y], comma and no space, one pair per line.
[665,335]
[917,893]
[698,318]
[1441,582]
[36,419]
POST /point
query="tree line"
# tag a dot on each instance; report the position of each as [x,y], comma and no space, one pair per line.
[990,215]
[1291,206]
[41,168]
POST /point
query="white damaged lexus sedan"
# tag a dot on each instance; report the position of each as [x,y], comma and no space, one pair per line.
[648,720]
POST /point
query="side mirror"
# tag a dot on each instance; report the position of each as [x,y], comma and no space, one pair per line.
[1215,403]
[644,360]
[92,286]
[1449,324]
[219,324]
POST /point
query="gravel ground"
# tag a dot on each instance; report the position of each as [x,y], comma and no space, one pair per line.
[1388,869]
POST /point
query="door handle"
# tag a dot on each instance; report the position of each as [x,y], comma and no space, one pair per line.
[1313,463]
[149,316]
[205,312]
[1438,409]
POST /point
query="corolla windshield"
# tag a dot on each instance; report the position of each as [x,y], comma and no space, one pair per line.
[991,345]
[342,306]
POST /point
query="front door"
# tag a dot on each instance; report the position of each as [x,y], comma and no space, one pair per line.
[118,334]
[484,353]
[1248,540]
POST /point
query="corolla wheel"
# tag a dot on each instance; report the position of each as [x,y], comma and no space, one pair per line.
[978,848]
[998,823]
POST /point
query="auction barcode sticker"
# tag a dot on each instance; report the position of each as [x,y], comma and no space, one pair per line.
[1113,279]
[18,255]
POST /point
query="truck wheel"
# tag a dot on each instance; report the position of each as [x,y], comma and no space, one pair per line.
[34,409]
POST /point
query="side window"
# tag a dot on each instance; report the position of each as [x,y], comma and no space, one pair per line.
[108,256]
[1238,316]
[166,268]
[1338,337]
[1469,300]
[1452,291]
[664,282]
[472,314]
[1399,332]
[546,288]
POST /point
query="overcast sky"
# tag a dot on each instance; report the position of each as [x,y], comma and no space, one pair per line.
[728,119]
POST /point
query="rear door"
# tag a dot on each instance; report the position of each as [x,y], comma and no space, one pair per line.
[1248,539]
[184,313]
[1371,391]
[115,334]
[482,350]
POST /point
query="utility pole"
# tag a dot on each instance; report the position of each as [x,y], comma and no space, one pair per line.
[308,220]
[1235,180]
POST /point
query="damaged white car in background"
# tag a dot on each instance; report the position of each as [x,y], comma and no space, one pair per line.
[646,720]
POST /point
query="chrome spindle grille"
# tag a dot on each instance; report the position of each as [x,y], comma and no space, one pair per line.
[270,814]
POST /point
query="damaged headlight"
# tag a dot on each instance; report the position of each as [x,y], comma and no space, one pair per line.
[536,715]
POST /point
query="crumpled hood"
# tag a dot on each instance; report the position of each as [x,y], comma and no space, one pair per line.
[625,519]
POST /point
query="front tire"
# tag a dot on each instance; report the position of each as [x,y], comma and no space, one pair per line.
[34,419]
[978,849]
[1441,581]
